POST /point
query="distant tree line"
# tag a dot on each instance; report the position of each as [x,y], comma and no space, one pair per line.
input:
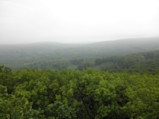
[140,62]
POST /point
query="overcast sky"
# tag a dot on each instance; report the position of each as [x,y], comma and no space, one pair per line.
[74,21]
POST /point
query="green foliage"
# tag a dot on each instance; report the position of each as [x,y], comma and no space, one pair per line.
[141,62]
[74,94]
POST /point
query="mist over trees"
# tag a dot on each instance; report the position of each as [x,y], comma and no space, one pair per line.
[79,56]
[91,81]
[79,59]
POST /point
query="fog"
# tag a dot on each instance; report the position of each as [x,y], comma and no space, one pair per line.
[72,21]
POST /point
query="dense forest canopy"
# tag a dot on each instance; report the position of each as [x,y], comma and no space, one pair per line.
[75,94]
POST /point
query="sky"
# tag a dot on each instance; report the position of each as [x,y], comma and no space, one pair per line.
[77,21]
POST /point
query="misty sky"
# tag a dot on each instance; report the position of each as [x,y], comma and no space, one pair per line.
[74,21]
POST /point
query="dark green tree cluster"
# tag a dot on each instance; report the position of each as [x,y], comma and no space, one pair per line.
[140,62]
[74,94]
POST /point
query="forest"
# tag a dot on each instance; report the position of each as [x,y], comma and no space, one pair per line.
[79,59]
[127,54]
[105,80]
[78,94]
[138,62]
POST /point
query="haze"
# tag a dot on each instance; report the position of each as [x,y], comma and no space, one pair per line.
[77,21]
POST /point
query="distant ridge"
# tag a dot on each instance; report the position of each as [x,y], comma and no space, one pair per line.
[18,55]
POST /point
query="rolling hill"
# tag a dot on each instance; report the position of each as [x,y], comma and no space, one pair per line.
[49,54]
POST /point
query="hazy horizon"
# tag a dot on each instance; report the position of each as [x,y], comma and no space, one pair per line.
[71,21]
